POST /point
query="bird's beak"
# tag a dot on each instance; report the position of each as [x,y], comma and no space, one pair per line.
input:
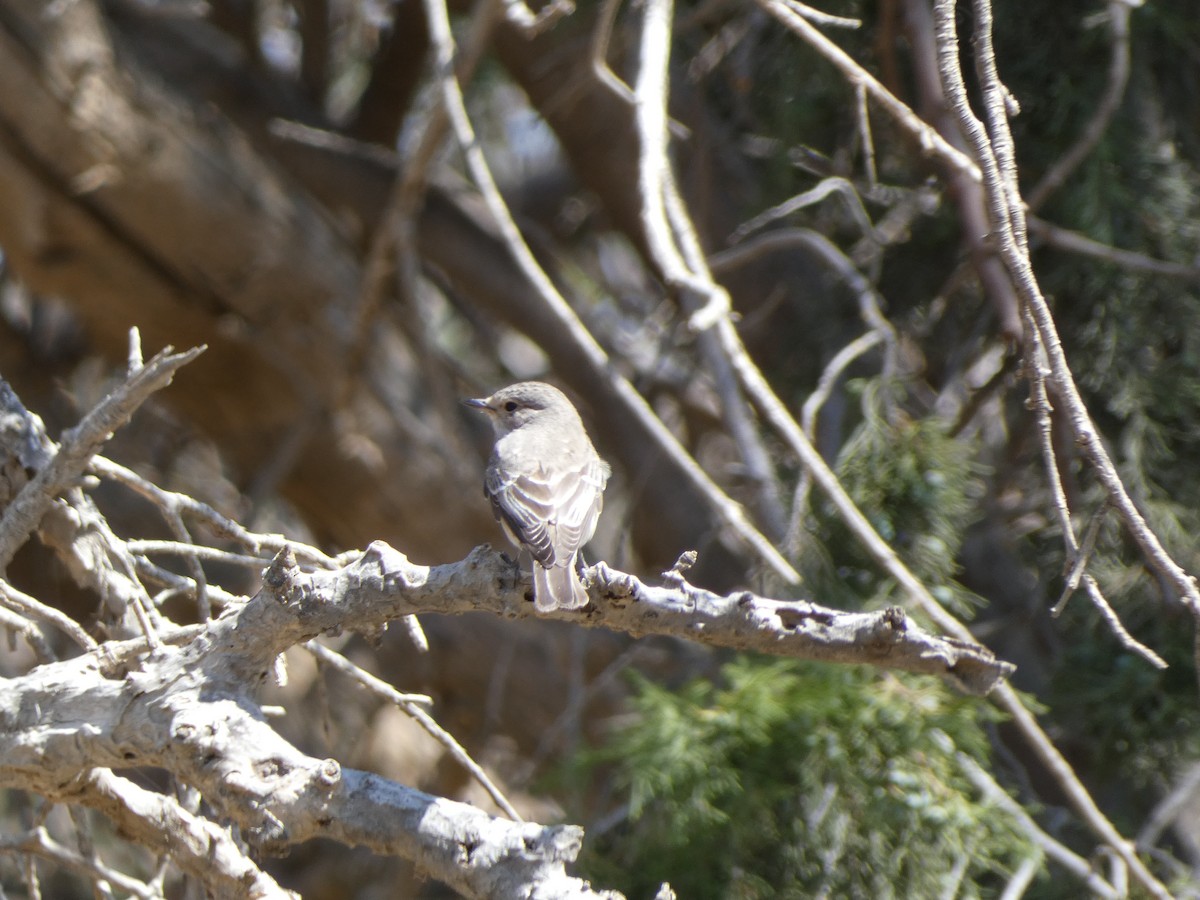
[477,403]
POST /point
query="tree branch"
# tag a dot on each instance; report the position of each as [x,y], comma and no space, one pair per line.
[994,152]
[191,709]
[80,444]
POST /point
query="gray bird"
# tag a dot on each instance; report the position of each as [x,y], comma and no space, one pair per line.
[546,485]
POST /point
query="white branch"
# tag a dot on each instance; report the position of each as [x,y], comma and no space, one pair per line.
[80,444]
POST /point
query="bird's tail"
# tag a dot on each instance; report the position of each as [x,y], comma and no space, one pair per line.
[557,588]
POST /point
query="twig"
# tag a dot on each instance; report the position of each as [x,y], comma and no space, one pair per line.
[1117,627]
[173,503]
[38,842]
[864,291]
[676,250]
[548,740]
[334,142]
[599,51]
[996,161]
[1080,555]
[180,585]
[136,360]
[80,444]
[1077,555]
[808,420]
[928,138]
[601,37]
[75,529]
[1117,14]
[1079,558]
[590,352]
[19,625]
[824,188]
[1061,854]
[22,603]
[864,130]
[1177,801]
[718,47]
[380,688]
[198,551]
[868,300]
[830,375]
[1019,883]
[1074,242]
[201,848]
[409,703]
[966,192]
[822,18]
[532,24]
[86,843]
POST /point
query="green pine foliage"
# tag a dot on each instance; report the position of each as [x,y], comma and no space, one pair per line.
[919,488]
[1121,718]
[914,483]
[791,779]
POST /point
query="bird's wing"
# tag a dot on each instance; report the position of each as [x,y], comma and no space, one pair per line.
[551,513]
[581,500]
[523,504]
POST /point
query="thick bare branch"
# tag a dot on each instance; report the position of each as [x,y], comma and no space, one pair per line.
[201,848]
[383,583]
[186,709]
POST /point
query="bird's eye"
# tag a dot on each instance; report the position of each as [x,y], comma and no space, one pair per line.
[510,406]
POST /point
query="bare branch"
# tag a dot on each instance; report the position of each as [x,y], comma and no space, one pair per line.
[1177,802]
[830,376]
[190,709]
[932,142]
[202,849]
[827,186]
[39,843]
[172,503]
[822,18]
[80,444]
[409,703]
[383,584]
[74,529]
[531,23]
[1074,242]
[994,152]
[1117,16]
[1061,854]
[21,603]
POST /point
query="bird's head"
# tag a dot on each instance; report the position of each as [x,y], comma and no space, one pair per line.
[520,404]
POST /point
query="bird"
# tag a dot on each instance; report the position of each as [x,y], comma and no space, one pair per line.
[546,484]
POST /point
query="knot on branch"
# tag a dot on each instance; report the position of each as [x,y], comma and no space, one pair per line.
[329,774]
[555,843]
[280,577]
